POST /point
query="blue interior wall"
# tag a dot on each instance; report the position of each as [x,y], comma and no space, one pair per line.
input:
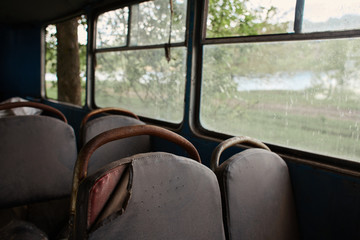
[20,61]
[327,203]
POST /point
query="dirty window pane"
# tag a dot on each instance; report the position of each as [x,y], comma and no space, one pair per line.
[143,81]
[303,95]
[324,15]
[54,86]
[112,28]
[229,18]
[151,22]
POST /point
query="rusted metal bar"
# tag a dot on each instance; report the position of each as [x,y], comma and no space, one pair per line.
[107,110]
[81,166]
[232,142]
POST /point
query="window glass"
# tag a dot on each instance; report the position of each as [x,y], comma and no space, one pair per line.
[298,94]
[323,15]
[65,61]
[228,18]
[143,75]
[142,81]
[112,28]
[152,22]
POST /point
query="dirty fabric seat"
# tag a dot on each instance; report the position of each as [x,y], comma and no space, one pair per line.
[154,195]
[114,150]
[38,154]
[21,230]
[257,195]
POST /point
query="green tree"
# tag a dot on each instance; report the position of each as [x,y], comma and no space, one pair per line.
[144,80]
[66,56]
[228,18]
[222,63]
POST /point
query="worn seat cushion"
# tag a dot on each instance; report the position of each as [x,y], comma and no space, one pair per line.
[21,230]
[117,149]
[38,154]
[257,196]
[170,197]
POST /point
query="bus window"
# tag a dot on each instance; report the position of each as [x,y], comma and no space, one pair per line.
[140,59]
[112,28]
[65,61]
[339,15]
[243,18]
[286,88]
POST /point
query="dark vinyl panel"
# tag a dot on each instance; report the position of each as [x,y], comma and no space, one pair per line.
[327,203]
[20,61]
[19,11]
[43,11]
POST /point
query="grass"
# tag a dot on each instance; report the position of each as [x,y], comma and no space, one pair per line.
[148,109]
[329,126]
[51,91]
[292,119]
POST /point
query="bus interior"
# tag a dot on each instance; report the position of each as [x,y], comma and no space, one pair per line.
[275,83]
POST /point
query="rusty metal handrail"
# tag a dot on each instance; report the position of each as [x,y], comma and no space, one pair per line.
[106,110]
[215,157]
[81,166]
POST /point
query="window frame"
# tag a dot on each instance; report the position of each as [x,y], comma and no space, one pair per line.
[43,92]
[286,152]
[93,50]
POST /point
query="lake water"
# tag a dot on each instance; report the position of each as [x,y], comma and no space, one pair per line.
[278,81]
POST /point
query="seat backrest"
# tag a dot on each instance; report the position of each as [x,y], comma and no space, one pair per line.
[257,195]
[148,196]
[38,154]
[114,150]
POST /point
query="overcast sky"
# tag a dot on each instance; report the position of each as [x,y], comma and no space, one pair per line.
[315,10]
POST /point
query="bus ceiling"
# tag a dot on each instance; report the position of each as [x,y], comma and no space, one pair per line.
[26,12]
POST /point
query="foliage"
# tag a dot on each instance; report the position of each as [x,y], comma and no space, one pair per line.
[143,80]
[50,49]
[317,111]
[51,64]
[228,18]
[222,63]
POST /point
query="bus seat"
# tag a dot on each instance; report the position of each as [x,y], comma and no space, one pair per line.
[38,154]
[153,195]
[114,150]
[257,194]
[19,110]
[20,230]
